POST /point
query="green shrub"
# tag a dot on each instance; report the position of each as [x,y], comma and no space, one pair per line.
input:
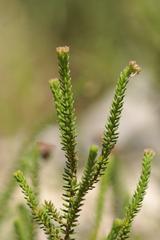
[62,224]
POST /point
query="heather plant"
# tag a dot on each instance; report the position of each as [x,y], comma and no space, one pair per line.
[61,224]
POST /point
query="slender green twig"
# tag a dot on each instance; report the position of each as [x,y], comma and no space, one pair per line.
[136,201]
[40,214]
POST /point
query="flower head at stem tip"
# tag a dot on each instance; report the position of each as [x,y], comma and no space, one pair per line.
[62,50]
[134,67]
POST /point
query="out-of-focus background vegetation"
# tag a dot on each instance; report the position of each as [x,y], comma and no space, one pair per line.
[103,36]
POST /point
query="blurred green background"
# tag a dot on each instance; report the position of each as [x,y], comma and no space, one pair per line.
[103,36]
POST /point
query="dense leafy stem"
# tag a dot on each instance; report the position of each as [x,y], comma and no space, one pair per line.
[111,128]
[109,141]
[62,226]
[136,201]
[64,102]
[40,214]
[53,212]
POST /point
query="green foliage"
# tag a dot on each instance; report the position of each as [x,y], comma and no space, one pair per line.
[40,213]
[59,225]
[117,225]
[28,162]
[122,232]
[63,96]
[53,212]
[30,196]
[111,127]
[24,225]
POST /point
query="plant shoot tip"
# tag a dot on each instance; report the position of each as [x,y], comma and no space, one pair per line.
[135,68]
[61,50]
